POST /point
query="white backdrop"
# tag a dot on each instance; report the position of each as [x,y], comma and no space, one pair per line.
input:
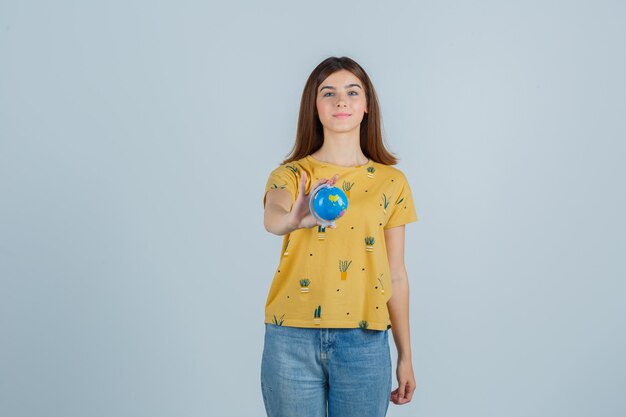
[135,141]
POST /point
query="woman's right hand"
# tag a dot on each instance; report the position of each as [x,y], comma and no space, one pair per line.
[300,216]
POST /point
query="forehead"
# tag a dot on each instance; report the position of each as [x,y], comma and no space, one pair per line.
[340,79]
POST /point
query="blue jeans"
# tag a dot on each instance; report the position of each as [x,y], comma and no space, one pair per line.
[318,372]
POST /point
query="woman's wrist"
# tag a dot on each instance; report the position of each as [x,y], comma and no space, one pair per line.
[404,352]
[405,357]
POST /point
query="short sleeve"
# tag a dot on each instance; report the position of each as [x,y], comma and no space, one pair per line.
[403,209]
[284,177]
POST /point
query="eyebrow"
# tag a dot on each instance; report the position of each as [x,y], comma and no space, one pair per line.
[330,87]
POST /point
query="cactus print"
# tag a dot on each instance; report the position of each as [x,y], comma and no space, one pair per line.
[343,269]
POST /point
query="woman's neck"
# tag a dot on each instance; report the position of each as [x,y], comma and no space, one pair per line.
[341,149]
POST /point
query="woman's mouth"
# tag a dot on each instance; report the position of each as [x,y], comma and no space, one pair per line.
[341,115]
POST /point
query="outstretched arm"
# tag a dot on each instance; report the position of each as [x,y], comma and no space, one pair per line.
[280,217]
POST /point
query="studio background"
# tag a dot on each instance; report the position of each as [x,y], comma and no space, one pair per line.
[135,141]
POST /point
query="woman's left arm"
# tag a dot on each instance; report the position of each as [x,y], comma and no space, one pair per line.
[398,306]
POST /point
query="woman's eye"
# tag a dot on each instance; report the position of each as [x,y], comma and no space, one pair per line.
[351,93]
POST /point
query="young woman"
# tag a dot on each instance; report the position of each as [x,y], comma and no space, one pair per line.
[337,289]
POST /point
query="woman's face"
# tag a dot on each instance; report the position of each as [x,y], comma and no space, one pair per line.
[341,102]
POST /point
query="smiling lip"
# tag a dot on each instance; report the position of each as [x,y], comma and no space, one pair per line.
[341,115]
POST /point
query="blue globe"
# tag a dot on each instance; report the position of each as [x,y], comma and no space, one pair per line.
[328,203]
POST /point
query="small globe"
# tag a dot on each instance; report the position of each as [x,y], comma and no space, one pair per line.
[328,203]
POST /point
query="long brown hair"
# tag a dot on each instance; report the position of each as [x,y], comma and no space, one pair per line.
[310,132]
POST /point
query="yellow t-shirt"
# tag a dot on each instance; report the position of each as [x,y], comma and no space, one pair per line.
[339,278]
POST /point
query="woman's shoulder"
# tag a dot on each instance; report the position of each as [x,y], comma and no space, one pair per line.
[292,165]
[389,171]
[296,166]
